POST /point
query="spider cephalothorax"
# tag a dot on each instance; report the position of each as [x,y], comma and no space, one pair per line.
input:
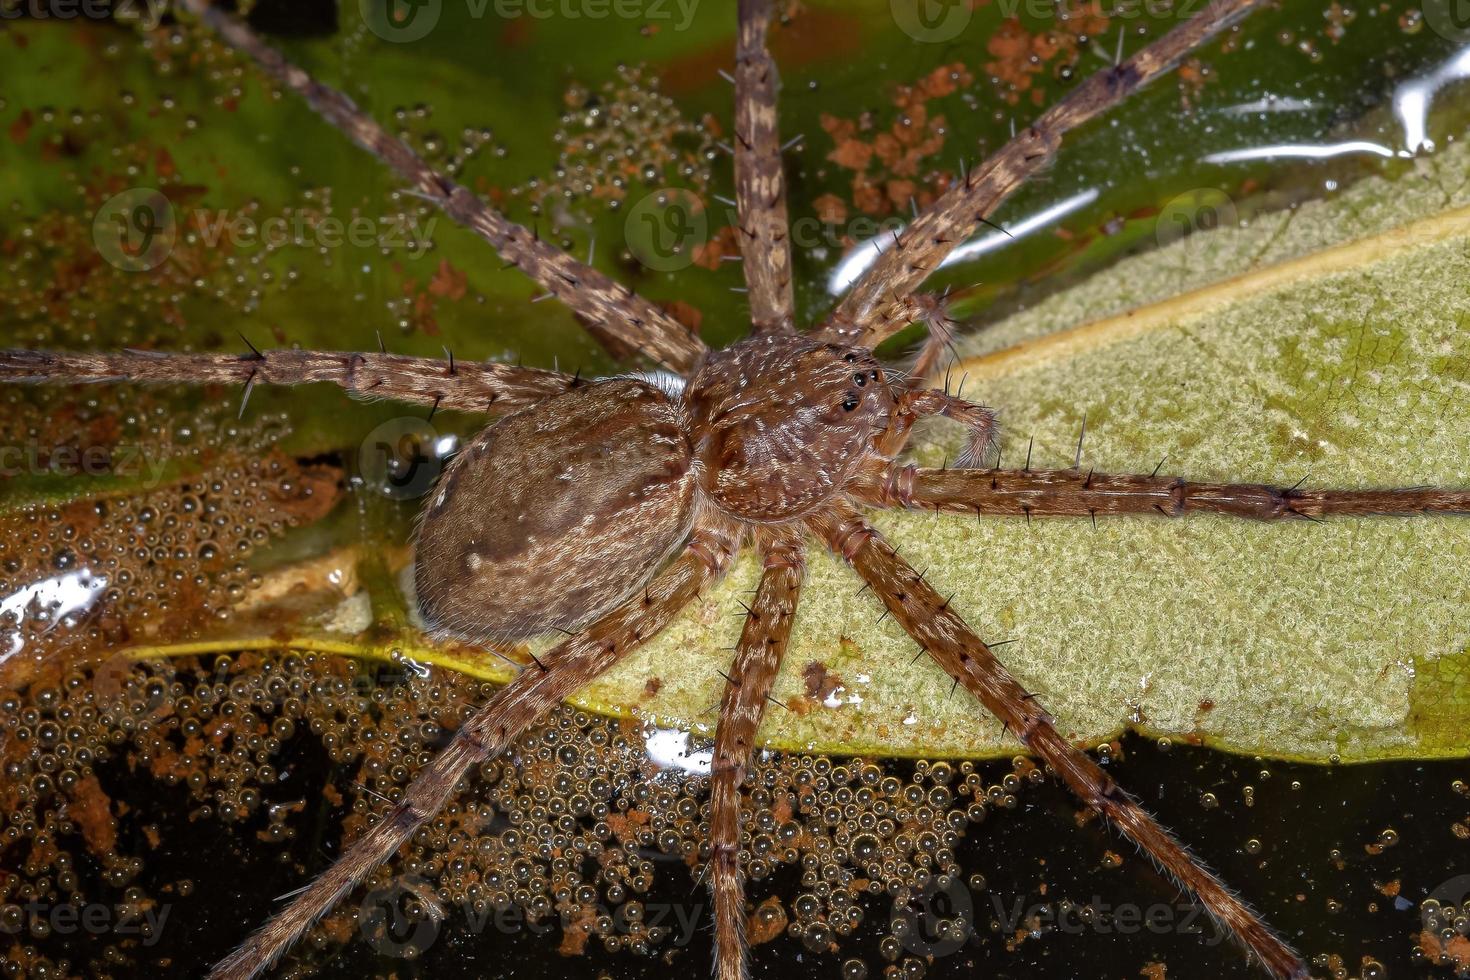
[780,424]
[600,509]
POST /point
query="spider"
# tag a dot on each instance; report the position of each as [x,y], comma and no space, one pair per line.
[599,508]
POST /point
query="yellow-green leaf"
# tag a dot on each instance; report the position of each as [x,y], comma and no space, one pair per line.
[1348,366]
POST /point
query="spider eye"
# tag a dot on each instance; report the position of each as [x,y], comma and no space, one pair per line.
[859,379]
[850,358]
[851,403]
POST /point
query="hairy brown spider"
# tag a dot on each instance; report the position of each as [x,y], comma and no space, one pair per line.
[600,508]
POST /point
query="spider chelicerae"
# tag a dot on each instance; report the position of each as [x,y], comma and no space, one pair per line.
[600,508]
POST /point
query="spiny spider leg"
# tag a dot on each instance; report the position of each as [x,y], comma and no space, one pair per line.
[570,665]
[1078,493]
[616,309]
[868,314]
[760,185]
[757,660]
[928,618]
[468,386]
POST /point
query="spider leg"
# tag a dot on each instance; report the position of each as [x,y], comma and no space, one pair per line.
[1075,493]
[758,658]
[868,314]
[760,186]
[514,708]
[928,618]
[616,309]
[469,386]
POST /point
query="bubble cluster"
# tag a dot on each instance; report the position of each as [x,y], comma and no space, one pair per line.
[64,287]
[624,136]
[167,554]
[573,825]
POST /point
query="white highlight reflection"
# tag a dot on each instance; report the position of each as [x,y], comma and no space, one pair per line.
[1411,102]
[1412,99]
[57,598]
[1271,103]
[668,748]
[856,262]
[1306,151]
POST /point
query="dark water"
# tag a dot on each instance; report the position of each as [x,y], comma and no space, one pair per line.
[1313,877]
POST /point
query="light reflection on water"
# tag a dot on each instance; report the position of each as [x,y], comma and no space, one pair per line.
[1412,101]
[56,599]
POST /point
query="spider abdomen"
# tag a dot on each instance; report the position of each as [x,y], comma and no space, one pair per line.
[553,515]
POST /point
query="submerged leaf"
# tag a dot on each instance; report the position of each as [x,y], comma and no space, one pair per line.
[1348,366]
